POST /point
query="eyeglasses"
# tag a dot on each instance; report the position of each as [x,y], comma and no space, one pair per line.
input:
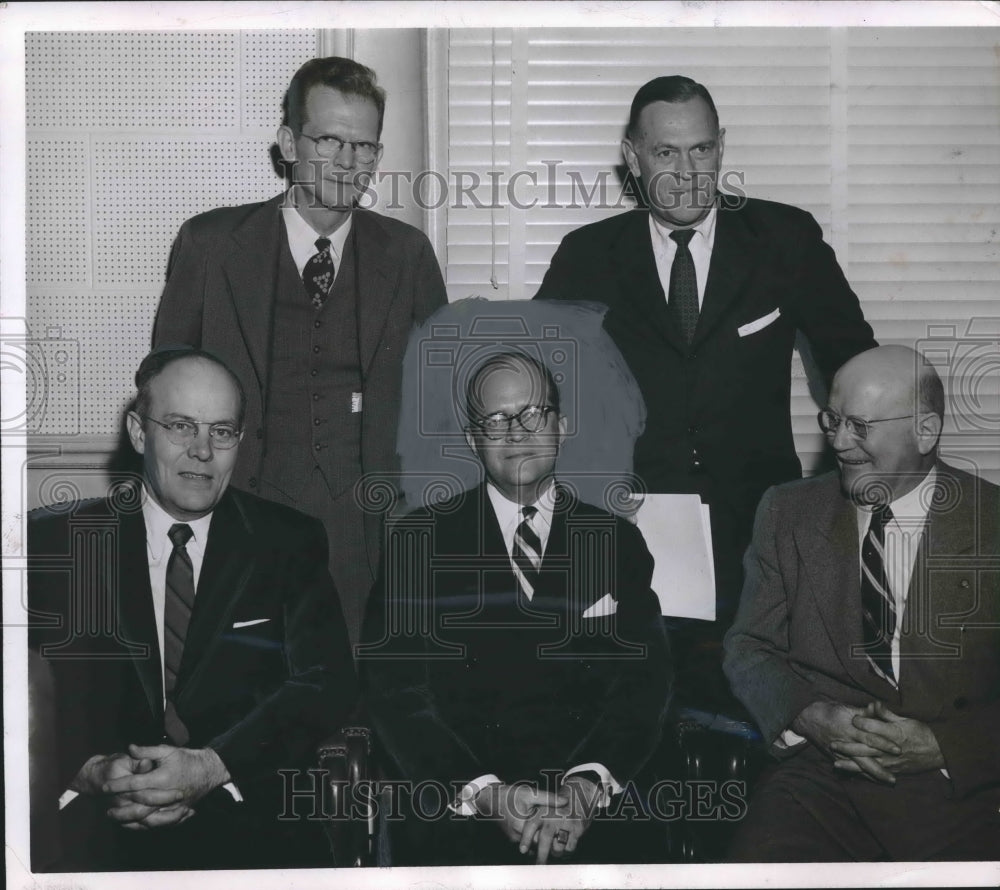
[183,432]
[331,146]
[830,421]
[530,418]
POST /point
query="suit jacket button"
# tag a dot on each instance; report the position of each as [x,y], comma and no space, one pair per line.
[964,583]
[253,482]
[960,702]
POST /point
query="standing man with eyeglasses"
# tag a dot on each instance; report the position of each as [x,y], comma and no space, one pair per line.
[194,641]
[310,299]
[705,294]
[867,643]
[515,660]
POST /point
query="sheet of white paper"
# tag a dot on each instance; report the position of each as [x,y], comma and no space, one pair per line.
[677,531]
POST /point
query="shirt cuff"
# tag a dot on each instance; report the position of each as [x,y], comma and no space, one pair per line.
[463,805]
[233,791]
[789,739]
[68,796]
[609,786]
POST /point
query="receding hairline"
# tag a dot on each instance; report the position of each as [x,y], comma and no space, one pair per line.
[515,361]
[157,362]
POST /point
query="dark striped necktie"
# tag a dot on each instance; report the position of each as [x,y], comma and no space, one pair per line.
[526,554]
[878,608]
[682,298]
[179,603]
[319,273]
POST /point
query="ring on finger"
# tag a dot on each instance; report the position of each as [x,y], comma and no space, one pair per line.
[562,836]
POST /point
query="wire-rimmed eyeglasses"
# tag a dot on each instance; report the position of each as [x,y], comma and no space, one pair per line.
[184,432]
[830,421]
[330,146]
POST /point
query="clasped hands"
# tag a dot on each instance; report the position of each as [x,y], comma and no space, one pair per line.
[872,741]
[550,823]
[152,786]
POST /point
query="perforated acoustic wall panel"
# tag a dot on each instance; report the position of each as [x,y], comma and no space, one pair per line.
[129,134]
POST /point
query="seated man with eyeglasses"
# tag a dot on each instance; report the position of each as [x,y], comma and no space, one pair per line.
[514,661]
[194,641]
[867,642]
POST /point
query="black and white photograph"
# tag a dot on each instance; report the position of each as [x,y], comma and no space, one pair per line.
[508,445]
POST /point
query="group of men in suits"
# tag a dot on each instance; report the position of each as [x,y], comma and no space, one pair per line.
[512,649]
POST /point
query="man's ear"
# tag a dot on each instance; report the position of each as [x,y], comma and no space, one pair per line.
[471,440]
[286,143]
[928,431]
[722,143]
[630,157]
[136,434]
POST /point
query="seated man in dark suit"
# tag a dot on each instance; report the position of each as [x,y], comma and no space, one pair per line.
[867,643]
[513,639]
[193,643]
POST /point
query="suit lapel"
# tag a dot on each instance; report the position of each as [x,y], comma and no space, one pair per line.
[735,255]
[950,532]
[639,281]
[251,271]
[376,270]
[135,607]
[226,569]
[830,553]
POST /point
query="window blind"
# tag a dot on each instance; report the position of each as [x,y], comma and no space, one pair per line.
[889,137]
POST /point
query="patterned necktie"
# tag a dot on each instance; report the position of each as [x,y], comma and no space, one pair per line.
[878,607]
[319,273]
[526,554]
[176,618]
[683,296]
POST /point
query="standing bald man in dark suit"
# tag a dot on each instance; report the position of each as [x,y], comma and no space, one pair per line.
[705,292]
[310,299]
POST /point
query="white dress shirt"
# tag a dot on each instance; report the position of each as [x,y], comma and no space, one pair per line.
[902,539]
[665,249]
[302,236]
[509,516]
[158,550]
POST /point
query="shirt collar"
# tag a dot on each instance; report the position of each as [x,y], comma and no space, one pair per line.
[158,522]
[509,513]
[302,236]
[705,228]
[911,507]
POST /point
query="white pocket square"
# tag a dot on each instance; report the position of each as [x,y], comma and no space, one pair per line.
[237,624]
[606,605]
[758,324]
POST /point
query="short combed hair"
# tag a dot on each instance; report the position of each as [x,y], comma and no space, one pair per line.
[671,88]
[508,360]
[349,77]
[160,359]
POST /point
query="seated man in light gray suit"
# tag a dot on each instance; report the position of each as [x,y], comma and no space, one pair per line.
[867,643]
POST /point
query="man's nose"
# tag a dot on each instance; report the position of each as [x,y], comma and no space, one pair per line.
[201,446]
[345,157]
[842,439]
